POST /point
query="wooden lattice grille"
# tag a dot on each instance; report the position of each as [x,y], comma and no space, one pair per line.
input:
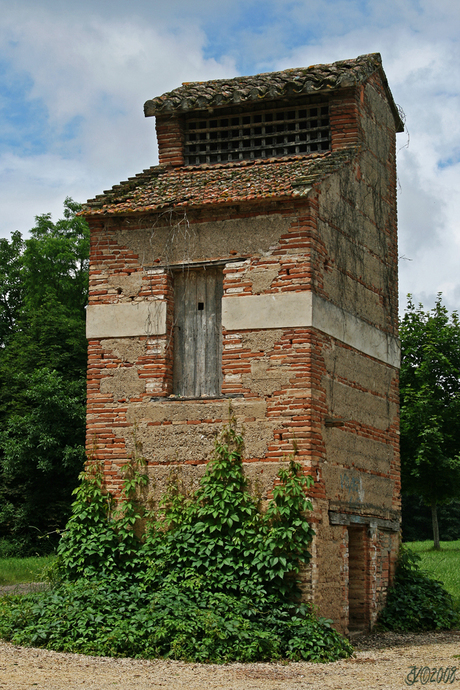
[271,133]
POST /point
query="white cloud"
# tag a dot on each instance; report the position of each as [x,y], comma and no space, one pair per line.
[33,186]
[101,71]
[98,61]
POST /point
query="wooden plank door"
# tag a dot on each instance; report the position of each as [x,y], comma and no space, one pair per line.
[198,332]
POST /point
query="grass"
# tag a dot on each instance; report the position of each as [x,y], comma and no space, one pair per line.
[442,565]
[13,571]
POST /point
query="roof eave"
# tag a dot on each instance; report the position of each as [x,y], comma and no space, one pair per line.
[395,109]
[347,81]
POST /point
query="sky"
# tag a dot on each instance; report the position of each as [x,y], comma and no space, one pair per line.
[74,78]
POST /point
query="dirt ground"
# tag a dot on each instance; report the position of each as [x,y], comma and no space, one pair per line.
[380,661]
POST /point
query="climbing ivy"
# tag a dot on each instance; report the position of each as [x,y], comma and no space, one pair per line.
[214,578]
[220,532]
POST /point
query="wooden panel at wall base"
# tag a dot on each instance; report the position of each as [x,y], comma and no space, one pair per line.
[198,332]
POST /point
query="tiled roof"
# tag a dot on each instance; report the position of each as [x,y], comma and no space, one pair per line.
[160,187]
[268,86]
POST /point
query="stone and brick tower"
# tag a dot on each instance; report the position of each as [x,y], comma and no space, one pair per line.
[257,265]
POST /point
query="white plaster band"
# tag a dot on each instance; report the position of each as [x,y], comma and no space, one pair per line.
[352,331]
[305,309]
[280,310]
[126,319]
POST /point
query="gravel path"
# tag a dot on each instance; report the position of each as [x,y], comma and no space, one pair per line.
[381,661]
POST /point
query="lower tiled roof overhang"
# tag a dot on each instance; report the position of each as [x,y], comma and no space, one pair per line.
[161,187]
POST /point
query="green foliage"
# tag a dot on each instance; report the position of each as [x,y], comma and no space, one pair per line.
[43,292]
[220,533]
[50,337]
[48,434]
[416,602]
[112,616]
[430,405]
[42,453]
[44,295]
[56,261]
[214,579]
[89,544]
[11,284]
[100,540]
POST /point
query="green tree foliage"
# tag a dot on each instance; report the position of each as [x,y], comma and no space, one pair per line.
[214,580]
[43,451]
[55,262]
[11,284]
[43,293]
[430,406]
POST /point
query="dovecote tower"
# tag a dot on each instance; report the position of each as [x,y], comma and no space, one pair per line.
[257,265]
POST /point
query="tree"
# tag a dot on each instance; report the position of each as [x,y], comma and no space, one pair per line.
[416,518]
[56,261]
[11,287]
[43,451]
[43,294]
[430,406]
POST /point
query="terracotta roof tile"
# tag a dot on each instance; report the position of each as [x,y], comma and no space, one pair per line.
[268,86]
[160,187]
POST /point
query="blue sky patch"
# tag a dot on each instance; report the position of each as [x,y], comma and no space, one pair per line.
[71,129]
[254,34]
[451,160]
[24,125]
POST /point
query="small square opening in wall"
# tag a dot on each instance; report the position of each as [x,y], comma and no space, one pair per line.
[198,332]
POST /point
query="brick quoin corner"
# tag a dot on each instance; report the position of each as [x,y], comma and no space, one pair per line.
[256,266]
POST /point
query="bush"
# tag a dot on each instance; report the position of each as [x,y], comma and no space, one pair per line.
[214,579]
[115,617]
[416,602]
